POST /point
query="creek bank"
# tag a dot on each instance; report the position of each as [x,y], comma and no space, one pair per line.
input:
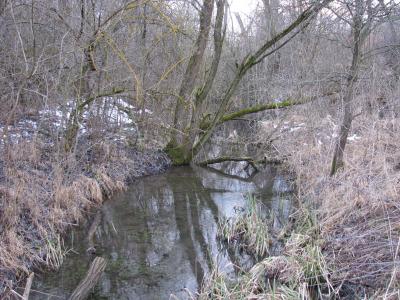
[43,194]
[343,242]
[348,224]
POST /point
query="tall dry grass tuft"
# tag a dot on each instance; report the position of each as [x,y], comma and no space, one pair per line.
[357,210]
[299,272]
[248,229]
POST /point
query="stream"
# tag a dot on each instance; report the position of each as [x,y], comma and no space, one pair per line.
[159,236]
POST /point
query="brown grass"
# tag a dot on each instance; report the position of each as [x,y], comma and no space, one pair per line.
[345,240]
[43,194]
[358,210]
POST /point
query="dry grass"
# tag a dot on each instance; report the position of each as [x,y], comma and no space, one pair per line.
[299,272]
[248,230]
[346,238]
[358,210]
[41,195]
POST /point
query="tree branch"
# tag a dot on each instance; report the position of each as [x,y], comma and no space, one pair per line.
[259,108]
[248,62]
[204,125]
[247,159]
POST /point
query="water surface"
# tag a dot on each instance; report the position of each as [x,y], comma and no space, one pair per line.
[159,237]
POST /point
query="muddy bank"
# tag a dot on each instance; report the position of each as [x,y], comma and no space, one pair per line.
[44,194]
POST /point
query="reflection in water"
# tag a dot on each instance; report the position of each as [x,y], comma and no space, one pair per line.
[159,237]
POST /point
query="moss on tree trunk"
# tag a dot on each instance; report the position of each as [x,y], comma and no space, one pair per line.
[179,154]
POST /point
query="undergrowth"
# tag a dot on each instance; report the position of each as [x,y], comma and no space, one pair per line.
[356,210]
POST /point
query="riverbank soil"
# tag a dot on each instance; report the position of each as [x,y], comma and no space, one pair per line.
[44,192]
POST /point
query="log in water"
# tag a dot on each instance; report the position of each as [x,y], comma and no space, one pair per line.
[89,282]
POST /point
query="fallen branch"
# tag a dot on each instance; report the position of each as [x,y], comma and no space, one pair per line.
[249,160]
[28,285]
[224,159]
[89,282]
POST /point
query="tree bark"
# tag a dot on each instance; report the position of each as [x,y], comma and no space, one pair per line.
[358,39]
[203,92]
[180,146]
[182,107]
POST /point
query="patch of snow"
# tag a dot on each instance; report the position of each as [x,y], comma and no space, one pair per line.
[147,111]
[294,129]
[354,137]
[55,118]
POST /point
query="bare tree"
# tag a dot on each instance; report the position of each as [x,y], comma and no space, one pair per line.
[184,153]
[363,15]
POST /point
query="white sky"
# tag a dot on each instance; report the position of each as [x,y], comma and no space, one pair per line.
[244,8]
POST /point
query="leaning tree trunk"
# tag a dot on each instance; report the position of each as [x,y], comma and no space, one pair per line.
[183,153]
[268,48]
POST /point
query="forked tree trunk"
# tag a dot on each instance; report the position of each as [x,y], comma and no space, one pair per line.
[183,153]
[191,98]
[184,101]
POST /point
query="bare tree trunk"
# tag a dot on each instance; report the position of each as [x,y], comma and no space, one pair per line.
[183,103]
[337,161]
[202,92]
[394,53]
[270,11]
